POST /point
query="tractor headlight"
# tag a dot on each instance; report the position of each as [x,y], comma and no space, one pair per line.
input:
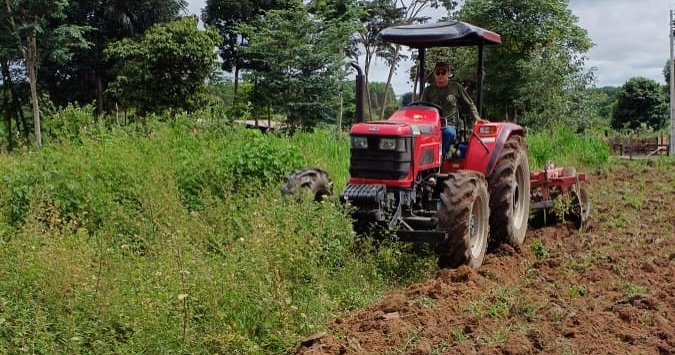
[392,144]
[387,144]
[487,130]
[359,143]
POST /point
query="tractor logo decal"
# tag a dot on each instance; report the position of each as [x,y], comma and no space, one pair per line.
[373,128]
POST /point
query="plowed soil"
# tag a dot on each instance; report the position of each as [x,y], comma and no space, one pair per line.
[608,289]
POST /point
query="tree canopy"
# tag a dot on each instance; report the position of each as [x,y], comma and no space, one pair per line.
[27,24]
[165,68]
[300,64]
[641,104]
[291,54]
[85,77]
[59,45]
[536,72]
[227,16]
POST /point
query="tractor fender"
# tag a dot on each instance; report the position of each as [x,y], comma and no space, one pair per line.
[507,131]
[484,150]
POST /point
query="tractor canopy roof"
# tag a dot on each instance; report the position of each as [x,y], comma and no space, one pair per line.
[441,34]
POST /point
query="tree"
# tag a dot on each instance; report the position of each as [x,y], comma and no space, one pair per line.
[640,103]
[165,68]
[540,62]
[607,100]
[376,15]
[300,63]
[86,75]
[666,73]
[28,22]
[10,59]
[407,98]
[379,94]
[666,77]
[227,16]
[413,10]
[12,101]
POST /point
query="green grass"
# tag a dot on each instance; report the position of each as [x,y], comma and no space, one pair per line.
[498,337]
[458,336]
[540,250]
[502,303]
[576,291]
[173,238]
[565,148]
[633,291]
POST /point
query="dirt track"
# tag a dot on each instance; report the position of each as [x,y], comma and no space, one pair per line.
[607,290]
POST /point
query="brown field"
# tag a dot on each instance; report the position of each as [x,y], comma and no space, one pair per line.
[609,289]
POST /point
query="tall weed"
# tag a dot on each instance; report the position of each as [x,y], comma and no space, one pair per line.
[562,146]
[171,236]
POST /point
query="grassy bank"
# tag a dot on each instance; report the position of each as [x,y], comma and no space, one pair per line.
[173,238]
[563,147]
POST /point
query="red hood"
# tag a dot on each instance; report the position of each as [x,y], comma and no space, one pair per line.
[406,121]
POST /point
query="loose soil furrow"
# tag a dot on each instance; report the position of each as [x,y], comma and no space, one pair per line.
[606,290]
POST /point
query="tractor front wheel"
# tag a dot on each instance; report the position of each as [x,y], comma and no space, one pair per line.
[464,217]
[510,193]
[310,180]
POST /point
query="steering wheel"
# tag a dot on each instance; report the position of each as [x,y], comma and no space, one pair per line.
[430,104]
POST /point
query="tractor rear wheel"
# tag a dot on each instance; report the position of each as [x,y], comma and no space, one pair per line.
[311,180]
[464,217]
[510,194]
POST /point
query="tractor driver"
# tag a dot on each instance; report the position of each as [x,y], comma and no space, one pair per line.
[446,94]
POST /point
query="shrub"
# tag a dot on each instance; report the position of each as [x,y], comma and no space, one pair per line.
[564,147]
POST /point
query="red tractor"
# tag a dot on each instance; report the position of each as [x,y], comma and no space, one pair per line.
[399,181]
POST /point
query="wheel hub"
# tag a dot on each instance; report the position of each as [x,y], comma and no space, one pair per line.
[475,229]
[518,206]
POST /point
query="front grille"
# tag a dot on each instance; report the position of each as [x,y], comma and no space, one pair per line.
[373,163]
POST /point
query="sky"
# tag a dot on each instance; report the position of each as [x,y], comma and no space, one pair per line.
[630,40]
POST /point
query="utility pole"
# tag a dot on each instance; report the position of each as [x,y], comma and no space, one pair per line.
[671,151]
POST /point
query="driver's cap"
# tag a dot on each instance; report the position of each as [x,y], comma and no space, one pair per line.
[442,65]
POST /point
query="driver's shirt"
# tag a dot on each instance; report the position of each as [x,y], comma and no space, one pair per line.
[447,98]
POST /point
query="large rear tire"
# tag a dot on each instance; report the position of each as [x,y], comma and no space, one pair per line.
[464,217]
[311,180]
[510,194]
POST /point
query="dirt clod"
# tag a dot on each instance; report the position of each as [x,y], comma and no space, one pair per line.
[309,341]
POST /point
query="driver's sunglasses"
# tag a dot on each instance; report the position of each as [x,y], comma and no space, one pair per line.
[441,72]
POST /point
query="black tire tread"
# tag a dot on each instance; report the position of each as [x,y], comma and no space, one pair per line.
[313,180]
[460,191]
[500,182]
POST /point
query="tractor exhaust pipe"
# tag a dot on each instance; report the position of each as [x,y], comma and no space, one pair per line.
[360,92]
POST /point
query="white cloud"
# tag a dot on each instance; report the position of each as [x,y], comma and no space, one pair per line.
[631,38]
